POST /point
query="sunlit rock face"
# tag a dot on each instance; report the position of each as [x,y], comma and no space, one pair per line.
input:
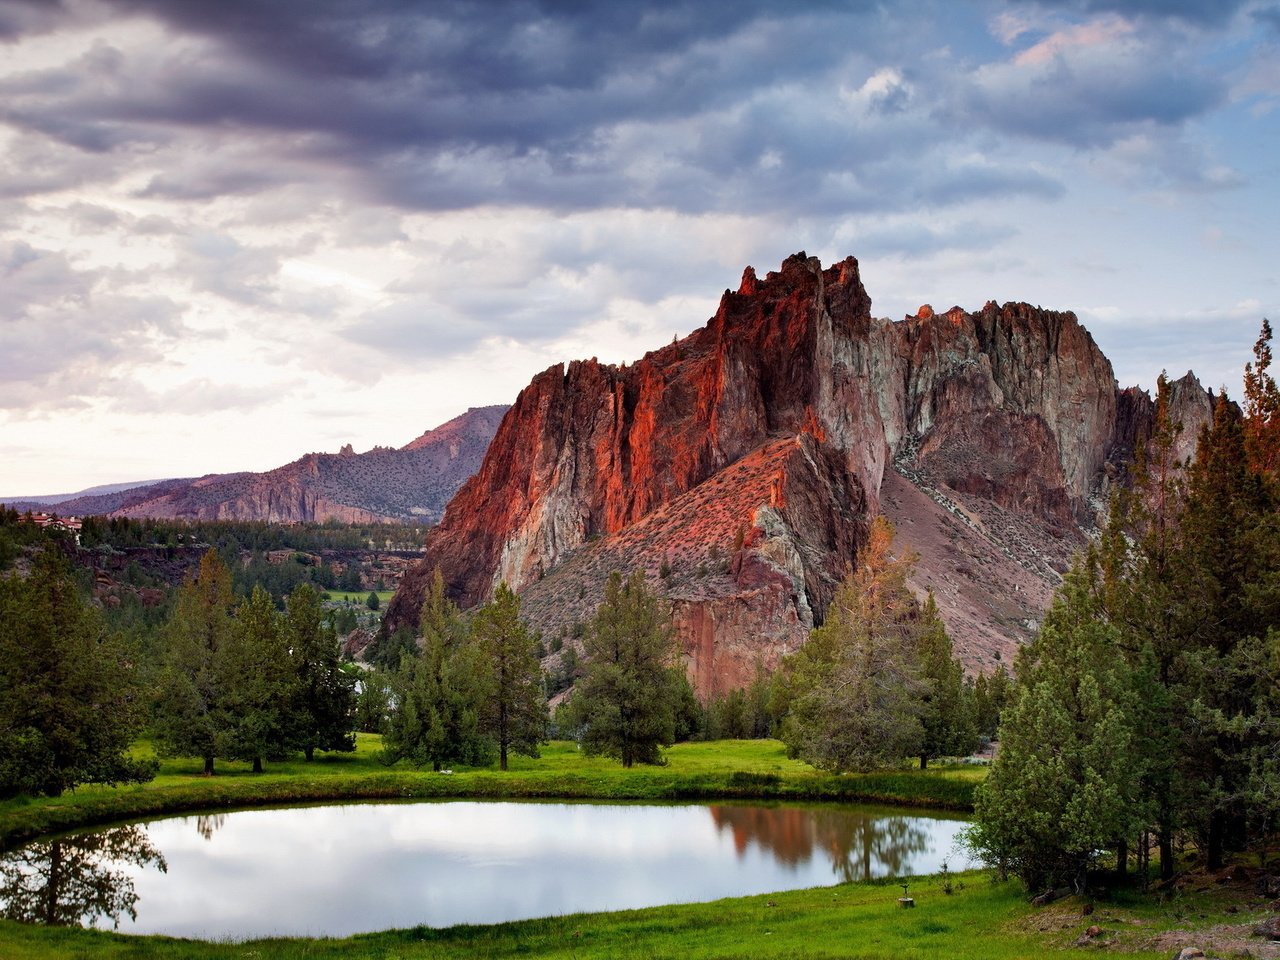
[740,468]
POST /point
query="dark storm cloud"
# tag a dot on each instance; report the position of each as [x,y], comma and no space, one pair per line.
[449,106]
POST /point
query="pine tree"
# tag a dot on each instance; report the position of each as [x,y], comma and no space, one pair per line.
[439,693]
[856,693]
[324,701]
[191,713]
[1064,786]
[625,704]
[70,702]
[1229,554]
[988,695]
[515,715]
[257,686]
[947,715]
[1262,408]
[1140,589]
[373,701]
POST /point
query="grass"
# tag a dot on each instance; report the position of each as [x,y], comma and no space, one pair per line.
[981,920]
[727,769]
[359,597]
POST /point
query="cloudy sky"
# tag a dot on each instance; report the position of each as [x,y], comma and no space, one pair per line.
[232,231]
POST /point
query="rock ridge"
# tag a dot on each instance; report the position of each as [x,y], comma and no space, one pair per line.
[764,442]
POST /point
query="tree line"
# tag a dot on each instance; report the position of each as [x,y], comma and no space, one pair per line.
[1148,707]
[227,676]
[241,680]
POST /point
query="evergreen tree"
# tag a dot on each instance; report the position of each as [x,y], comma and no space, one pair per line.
[70,702]
[373,701]
[947,715]
[856,694]
[625,704]
[690,717]
[1140,589]
[1262,408]
[1065,785]
[324,694]
[988,696]
[192,711]
[439,693]
[515,715]
[257,687]
[1230,561]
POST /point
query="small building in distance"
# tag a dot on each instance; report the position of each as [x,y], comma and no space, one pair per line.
[51,521]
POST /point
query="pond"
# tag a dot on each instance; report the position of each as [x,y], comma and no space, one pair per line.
[351,868]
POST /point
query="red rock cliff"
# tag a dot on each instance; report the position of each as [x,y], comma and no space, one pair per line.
[740,466]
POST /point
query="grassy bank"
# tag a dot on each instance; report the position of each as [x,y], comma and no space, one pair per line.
[978,919]
[732,769]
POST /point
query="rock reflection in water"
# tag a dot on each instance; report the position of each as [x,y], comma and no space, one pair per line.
[861,845]
[77,880]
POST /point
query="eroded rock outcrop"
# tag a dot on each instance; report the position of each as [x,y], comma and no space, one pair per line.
[740,467]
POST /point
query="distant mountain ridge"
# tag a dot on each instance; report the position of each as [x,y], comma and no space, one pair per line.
[102,489]
[411,484]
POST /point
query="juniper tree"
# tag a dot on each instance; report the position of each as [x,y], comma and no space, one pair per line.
[515,713]
[70,701]
[191,718]
[625,704]
[439,692]
[257,687]
[1065,786]
[324,695]
[855,688]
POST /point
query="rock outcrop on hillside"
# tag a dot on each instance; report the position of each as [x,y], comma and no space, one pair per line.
[409,484]
[740,467]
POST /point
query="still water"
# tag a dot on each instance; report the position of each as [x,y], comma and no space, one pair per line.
[344,869]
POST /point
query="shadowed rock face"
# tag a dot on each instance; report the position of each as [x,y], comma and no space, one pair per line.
[740,467]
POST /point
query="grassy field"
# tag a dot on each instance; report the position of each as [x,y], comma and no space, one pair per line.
[358,597]
[723,769]
[980,919]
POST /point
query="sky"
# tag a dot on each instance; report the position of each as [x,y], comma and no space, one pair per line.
[232,232]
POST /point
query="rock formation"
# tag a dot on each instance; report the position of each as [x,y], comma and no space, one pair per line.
[411,484]
[740,467]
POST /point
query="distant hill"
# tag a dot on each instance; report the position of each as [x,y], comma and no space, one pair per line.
[385,484]
[51,499]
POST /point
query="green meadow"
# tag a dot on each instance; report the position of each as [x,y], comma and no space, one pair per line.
[976,919]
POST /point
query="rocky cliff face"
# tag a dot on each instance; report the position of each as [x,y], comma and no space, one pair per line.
[411,484]
[740,466]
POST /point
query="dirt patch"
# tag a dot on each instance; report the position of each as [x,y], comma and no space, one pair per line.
[1222,940]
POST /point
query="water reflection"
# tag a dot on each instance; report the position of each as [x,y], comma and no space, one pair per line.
[859,845]
[344,869]
[77,880]
[207,823]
